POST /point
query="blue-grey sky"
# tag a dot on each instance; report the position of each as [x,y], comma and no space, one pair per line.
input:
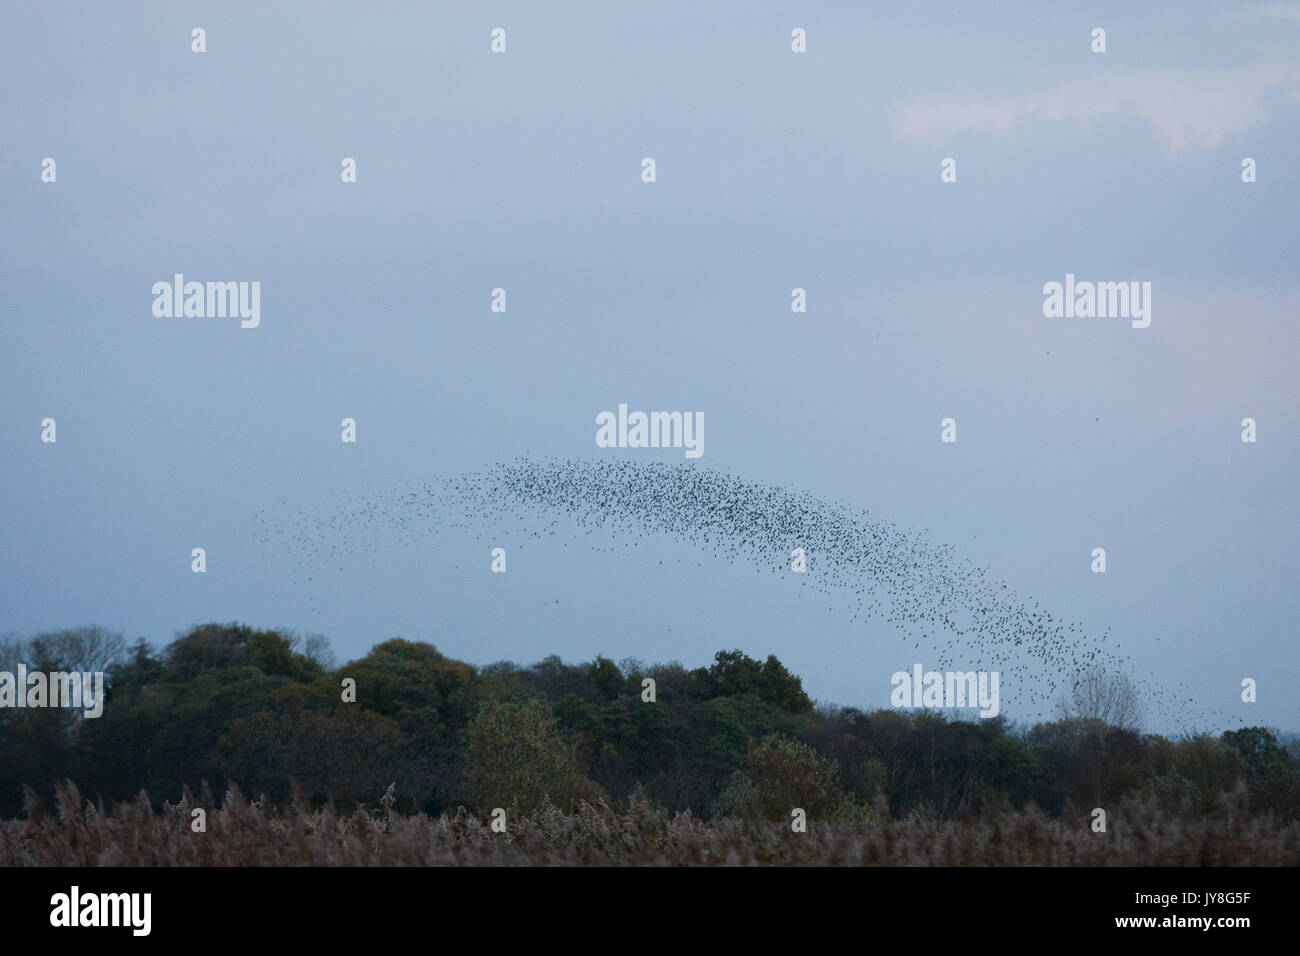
[775,170]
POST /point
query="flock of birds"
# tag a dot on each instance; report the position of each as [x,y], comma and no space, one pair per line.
[949,613]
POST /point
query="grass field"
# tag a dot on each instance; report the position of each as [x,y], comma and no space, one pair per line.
[243,833]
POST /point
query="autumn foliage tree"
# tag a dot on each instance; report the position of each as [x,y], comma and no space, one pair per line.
[519,759]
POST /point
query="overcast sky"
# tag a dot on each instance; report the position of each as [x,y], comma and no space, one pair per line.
[775,170]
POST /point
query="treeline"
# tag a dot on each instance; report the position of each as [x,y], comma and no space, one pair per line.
[740,738]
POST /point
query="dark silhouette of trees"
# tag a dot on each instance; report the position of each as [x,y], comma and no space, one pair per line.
[228,703]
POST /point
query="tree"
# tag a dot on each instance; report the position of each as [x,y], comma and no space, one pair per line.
[1112,699]
[782,773]
[1273,781]
[223,646]
[41,745]
[413,682]
[348,754]
[734,673]
[518,758]
[317,647]
[82,648]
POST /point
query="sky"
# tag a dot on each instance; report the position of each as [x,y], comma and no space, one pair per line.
[774,170]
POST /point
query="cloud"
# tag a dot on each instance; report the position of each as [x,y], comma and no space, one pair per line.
[1189,109]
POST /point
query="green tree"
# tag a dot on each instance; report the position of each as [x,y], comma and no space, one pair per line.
[782,773]
[519,759]
[1271,777]
[734,674]
[346,755]
[410,681]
